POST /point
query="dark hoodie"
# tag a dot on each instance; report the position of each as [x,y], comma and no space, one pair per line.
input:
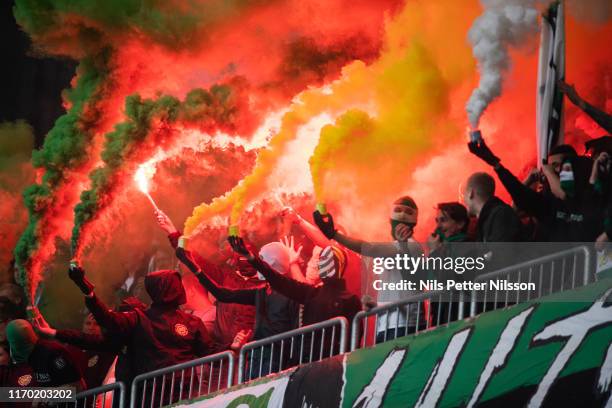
[578,218]
[320,303]
[105,345]
[162,335]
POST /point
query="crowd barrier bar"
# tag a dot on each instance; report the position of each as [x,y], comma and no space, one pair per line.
[399,313]
[158,378]
[541,271]
[98,397]
[285,348]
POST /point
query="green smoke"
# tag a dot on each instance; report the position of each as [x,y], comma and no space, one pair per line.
[65,149]
[213,109]
[75,27]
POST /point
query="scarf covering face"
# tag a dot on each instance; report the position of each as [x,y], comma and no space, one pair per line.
[21,339]
[332,262]
[404,211]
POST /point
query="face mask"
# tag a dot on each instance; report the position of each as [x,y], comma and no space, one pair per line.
[566,178]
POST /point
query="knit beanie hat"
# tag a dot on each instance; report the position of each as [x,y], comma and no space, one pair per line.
[332,262]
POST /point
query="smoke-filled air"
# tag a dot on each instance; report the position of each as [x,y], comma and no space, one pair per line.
[223,112]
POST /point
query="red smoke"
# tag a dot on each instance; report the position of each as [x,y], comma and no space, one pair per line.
[275,51]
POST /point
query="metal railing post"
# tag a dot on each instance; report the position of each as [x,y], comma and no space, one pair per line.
[355,328]
[460,311]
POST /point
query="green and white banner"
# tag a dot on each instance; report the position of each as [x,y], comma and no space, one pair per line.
[535,354]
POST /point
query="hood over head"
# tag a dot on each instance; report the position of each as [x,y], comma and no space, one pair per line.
[165,288]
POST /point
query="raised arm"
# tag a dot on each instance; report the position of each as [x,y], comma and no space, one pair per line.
[222,294]
[600,117]
[326,225]
[291,288]
[524,197]
[114,322]
[76,338]
[94,342]
[312,232]
[325,222]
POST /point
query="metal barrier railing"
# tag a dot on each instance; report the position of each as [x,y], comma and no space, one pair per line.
[106,396]
[409,316]
[549,274]
[183,381]
[552,273]
[292,347]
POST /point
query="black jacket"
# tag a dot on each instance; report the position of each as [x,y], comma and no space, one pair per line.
[570,220]
[275,313]
[498,222]
[320,303]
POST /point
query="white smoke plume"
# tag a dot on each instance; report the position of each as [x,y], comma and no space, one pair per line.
[504,23]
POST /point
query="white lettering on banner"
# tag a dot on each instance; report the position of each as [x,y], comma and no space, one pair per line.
[502,349]
[443,370]
[276,388]
[605,376]
[373,394]
[575,328]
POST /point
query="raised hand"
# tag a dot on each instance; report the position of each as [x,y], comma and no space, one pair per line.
[42,327]
[165,222]
[570,91]
[77,275]
[289,244]
[481,150]
[325,224]
[238,245]
[289,214]
[403,232]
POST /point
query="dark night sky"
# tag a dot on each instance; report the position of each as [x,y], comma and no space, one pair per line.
[31,86]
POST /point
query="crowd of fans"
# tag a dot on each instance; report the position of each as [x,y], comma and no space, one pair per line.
[262,292]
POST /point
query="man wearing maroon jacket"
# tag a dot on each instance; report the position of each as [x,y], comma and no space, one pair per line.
[161,336]
[98,342]
[93,363]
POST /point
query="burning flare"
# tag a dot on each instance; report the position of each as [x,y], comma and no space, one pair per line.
[143,177]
